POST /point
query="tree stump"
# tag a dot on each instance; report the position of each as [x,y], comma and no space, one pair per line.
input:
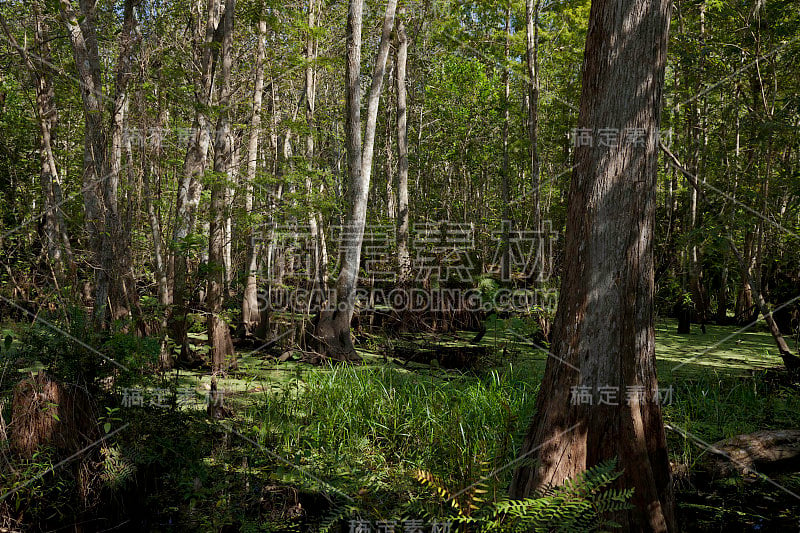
[45,412]
[684,312]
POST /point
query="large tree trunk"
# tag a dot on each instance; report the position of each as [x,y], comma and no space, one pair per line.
[219,334]
[251,316]
[603,333]
[333,327]
[765,451]
[403,257]
[195,163]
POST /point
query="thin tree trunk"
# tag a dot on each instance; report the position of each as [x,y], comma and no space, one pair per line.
[532,57]
[333,327]
[251,316]
[219,334]
[230,195]
[744,300]
[155,230]
[59,250]
[505,260]
[124,297]
[195,163]
[603,333]
[320,262]
[388,148]
[403,257]
[791,361]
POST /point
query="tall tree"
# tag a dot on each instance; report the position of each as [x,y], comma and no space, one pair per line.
[316,230]
[219,334]
[532,64]
[101,162]
[333,326]
[59,250]
[403,257]
[505,186]
[603,336]
[251,317]
[194,166]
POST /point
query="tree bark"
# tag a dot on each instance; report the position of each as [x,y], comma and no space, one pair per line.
[152,169]
[101,164]
[251,315]
[333,326]
[403,215]
[505,260]
[532,63]
[320,260]
[219,334]
[603,334]
[59,250]
[764,451]
[194,166]
[791,361]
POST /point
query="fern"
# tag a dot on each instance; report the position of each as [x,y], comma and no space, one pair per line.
[117,469]
[580,504]
[464,502]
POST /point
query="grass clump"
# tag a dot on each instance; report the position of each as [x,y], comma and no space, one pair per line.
[365,430]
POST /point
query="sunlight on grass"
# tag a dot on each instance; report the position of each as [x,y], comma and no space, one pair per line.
[721,348]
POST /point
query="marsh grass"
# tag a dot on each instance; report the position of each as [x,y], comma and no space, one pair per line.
[366,429]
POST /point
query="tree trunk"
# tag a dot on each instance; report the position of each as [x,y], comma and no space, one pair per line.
[320,261]
[230,194]
[251,315]
[195,163]
[152,169]
[505,259]
[765,451]
[333,326]
[744,299]
[219,334]
[403,257]
[603,334]
[59,250]
[791,361]
[532,57]
[123,296]
[388,149]
[101,166]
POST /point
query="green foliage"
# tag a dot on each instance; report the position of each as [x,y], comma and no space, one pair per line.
[580,504]
[117,470]
[31,492]
[72,350]
[370,428]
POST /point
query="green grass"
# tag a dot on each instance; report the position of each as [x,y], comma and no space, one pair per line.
[370,426]
[721,348]
[363,430]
